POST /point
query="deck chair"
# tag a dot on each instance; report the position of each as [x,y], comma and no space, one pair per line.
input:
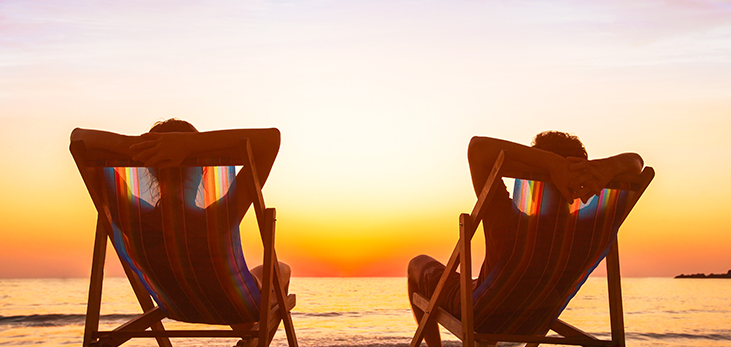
[189,271]
[514,296]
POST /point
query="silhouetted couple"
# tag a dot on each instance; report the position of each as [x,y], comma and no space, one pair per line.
[561,155]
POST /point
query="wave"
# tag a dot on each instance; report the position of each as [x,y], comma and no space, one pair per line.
[79,319]
[403,342]
[53,320]
[47,320]
[715,336]
[351,313]
[324,314]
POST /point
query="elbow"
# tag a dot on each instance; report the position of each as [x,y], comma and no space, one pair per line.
[275,138]
[277,135]
[271,141]
[630,163]
[474,147]
[639,167]
[639,163]
[76,134]
[474,142]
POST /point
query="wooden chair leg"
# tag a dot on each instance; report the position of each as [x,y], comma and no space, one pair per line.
[95,291]
[283,310]
[271,277]
[279,293]
[616,312]
[93,306]
[268,277]
[465,280]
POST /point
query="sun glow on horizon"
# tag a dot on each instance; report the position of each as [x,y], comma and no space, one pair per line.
[376,103]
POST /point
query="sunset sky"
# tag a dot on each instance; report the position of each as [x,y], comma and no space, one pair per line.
[376,102]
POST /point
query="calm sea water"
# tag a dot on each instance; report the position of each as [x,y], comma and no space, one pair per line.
[375,312]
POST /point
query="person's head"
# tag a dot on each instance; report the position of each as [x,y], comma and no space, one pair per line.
[168,179]
[173,125]
[563,144]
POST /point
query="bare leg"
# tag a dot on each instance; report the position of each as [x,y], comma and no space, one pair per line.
[284,270]
[258,273]
[431,332]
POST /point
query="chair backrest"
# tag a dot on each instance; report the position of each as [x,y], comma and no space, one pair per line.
[555,247]
[178,231]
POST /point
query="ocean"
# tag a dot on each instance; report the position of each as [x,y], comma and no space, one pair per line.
[375,312]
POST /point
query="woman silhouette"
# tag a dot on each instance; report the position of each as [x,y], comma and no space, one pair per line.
[162,150]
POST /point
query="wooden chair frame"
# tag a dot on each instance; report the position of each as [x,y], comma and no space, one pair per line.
[461,256]
[86,160]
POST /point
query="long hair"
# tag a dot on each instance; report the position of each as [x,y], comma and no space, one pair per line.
[176,177]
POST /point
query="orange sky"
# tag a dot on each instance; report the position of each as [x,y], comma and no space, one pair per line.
[376,104]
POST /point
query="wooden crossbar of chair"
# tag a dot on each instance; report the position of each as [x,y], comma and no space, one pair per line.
[461,257]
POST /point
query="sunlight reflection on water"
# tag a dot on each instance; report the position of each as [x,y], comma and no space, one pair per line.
[375,312]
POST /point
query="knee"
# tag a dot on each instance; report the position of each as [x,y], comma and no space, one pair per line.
[416,265]
[285,273]
[285,270]
[418,262]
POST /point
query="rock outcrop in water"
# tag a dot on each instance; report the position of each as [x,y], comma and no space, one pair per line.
[701,275]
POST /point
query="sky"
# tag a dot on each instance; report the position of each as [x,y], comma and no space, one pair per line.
[376,102]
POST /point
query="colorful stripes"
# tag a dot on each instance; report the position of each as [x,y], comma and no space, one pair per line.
[188,255]
[549,251]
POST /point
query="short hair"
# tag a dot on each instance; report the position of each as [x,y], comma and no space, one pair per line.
[173,125]
[561,143]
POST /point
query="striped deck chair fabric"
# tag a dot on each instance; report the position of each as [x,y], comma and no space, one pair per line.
[542,250]
[555,247]
[182,240]
[176,233]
